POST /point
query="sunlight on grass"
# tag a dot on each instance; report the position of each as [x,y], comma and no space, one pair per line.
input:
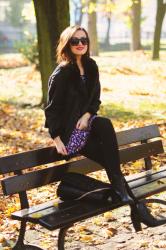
[20,85]
[117,111]
[133,86]
[157,110]
[145,110]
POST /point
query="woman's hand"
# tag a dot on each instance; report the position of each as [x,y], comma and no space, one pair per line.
[82,123]
[61,149]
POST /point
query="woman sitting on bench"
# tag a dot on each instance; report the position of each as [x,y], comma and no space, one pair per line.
[71,111]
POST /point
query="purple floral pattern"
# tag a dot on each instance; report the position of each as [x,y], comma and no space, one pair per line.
[78,138]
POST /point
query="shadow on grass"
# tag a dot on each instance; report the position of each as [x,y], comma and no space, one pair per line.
[21,105]
[120,113]
[115,111]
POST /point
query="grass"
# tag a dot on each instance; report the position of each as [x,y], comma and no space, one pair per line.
[133,86]
[144,111]
[136,84]
[147,45]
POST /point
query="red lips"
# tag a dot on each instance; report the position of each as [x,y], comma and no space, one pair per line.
[80,47]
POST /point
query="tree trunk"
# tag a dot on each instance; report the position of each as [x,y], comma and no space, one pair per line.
[78,14]
[92,31]
[51,20]
[136,25]
[107,37]
[161,9]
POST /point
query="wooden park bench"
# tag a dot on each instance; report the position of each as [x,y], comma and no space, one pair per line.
[134,144]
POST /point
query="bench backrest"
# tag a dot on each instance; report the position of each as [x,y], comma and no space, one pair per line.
[143,147]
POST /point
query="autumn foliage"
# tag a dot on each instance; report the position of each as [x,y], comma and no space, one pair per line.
[133,95]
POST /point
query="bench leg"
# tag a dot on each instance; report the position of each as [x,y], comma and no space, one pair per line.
[134,212]
[135,218]
[61,237]
[146,217]
[20,242]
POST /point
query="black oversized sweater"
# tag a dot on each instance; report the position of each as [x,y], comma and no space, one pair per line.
[67,100]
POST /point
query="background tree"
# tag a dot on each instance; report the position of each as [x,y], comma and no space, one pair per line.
[107,36]
[130,12]
[92,27]
[136,25]
[78,11]
[161,10]
[52,17]
[14,13]
[107,9]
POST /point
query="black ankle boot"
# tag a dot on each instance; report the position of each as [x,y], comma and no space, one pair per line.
[120,189]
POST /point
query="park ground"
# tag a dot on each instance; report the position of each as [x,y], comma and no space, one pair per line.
[133,95]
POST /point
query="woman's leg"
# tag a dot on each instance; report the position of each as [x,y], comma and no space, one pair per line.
[102,147]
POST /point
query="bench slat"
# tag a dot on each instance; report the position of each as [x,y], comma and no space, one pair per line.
[137,134]
[28,159]
[151,188]
[66,213]
[74,214]
[35,209]
[141,151]
[39,178]
[147,173]
[47,155]
[134,153]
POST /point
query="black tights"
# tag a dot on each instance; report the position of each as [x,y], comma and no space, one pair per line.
[102,146]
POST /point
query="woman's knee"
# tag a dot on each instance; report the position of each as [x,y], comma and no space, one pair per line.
[103,123]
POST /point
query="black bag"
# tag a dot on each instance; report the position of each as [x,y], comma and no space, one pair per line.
[81,187]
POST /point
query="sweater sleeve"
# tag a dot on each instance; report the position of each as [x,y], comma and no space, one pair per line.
[55,103]
[95,101]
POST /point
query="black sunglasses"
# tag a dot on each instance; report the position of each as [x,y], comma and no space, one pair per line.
[74,41]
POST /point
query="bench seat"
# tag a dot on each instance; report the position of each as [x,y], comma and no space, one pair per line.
[58,214]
